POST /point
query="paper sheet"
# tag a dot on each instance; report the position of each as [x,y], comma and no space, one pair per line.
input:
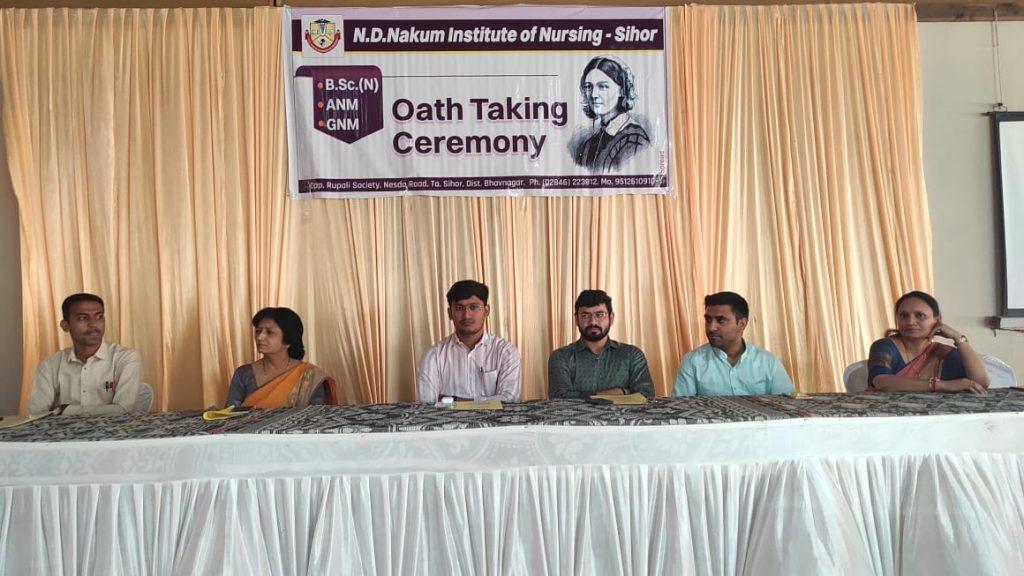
[626,400]
[224,414]
[12,421]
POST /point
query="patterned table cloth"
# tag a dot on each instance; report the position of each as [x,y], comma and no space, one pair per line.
[369,418]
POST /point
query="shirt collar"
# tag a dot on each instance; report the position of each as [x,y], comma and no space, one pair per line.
[617,124]
[581,344]
[102,353]
[484,342]
[719,353]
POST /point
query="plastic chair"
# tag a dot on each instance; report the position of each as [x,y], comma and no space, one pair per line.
[331,396]
[145,401]
[1000,374]
[855,377]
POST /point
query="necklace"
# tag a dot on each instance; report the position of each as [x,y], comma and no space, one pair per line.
[263,366]
[907,353]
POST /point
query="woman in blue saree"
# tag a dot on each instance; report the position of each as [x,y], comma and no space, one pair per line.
[908,360]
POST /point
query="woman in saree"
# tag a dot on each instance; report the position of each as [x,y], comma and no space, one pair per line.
[908,360]
[280,378]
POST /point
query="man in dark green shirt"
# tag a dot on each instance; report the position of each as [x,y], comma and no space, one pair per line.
[595,364]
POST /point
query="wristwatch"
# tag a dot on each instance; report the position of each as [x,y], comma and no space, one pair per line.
[960,339]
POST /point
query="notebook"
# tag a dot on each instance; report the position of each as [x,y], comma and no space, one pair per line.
[633,399]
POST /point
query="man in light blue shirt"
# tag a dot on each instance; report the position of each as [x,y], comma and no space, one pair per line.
[728,365]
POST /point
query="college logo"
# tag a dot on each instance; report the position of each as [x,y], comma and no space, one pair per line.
[322,35]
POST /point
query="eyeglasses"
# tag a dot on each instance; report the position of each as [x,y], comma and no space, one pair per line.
[587,316]
[474,308]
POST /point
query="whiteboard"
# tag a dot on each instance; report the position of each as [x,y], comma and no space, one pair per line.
[1010,161]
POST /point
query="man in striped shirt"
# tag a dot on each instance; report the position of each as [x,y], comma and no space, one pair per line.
[469,364]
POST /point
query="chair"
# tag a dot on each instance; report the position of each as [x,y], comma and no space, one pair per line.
[1000,374]
[331,397]
[145,401]
[855,377]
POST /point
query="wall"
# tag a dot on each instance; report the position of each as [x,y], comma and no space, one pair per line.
[956,63]
[957,75]
[10,293]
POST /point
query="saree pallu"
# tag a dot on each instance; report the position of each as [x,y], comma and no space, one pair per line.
[293,388]
[936,360]
[928,363]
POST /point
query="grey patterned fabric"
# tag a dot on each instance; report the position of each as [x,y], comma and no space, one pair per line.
[417,417]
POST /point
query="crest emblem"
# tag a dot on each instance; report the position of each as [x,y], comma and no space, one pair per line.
[322,35]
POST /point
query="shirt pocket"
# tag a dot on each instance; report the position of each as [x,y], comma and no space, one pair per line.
[105,392]
[489,382]
[754,384]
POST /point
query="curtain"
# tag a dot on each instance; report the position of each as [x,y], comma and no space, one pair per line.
[800,149]
[146,157]
[147,153]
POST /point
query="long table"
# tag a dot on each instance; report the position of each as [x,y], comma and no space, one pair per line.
[850,484]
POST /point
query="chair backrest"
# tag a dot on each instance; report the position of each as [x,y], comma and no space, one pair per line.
[1000,374]
[331,396]
[145,402]
[855,377]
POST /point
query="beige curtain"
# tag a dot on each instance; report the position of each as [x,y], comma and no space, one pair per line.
[800,149]
[147,154]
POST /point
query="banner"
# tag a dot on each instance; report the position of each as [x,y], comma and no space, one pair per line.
[476,101]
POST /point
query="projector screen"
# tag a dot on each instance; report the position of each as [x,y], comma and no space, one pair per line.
[1009,132]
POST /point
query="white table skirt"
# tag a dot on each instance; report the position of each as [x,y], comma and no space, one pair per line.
[921,495]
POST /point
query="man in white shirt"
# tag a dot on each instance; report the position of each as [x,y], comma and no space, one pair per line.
[470,364]
[92,376]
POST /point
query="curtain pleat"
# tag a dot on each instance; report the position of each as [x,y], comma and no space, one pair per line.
[945,514]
